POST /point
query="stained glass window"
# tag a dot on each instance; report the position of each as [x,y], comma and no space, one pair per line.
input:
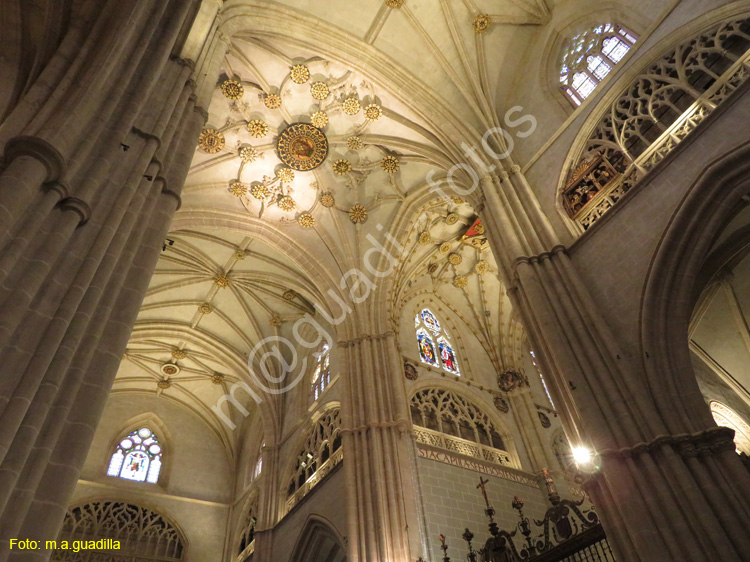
[321,371]
[426,348]
[138,457]
[447,356]
[430,321]
[444,355]
[589,56]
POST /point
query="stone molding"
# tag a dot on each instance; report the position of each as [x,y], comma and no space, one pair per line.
[39,149]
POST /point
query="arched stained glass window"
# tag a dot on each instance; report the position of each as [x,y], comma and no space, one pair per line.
[321,371]
[428,332]
[589,56]
[137,457]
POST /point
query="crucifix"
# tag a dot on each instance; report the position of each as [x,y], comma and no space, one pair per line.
[481,484]
[489,511]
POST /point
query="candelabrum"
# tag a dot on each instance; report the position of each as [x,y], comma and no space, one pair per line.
[472,555]
[524,525]
[444,548]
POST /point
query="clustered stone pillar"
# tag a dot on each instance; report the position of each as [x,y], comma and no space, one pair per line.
[665,491]
[526,417]
[94,156]
[378,448]
[268,505]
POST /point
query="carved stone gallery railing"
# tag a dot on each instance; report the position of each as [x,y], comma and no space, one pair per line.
[246,553]
[448,413]
[246,539]
[324,470]
[320,453]
[462,446]
[655,114]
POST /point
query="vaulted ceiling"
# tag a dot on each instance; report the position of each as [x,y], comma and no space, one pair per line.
[256,244]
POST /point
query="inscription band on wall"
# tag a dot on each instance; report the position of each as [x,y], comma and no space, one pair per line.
[477,466]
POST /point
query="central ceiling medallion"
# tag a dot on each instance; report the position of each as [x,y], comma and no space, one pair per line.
[302,147]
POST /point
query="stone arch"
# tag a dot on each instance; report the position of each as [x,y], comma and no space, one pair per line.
[475,399]
[319,541]
[297,28]
[626,76]
[246,525]
[317,451]
[141,530]
[670,291]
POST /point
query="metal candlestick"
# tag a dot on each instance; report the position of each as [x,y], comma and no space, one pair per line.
[468,536]
[444,548]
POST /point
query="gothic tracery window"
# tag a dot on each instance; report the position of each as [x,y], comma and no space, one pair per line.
[137,457]
[653,115]
[440,411]
[428,332]
[143,534]
[247,533]
[321,371]
[317,457]
[589,56]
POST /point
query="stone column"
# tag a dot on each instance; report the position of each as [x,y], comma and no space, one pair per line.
[268,505]
[665,491]
[525,415]
[94,156]
[378,453]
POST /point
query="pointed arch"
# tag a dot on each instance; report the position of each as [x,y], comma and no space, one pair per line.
[319,452]
[450,417]
[245,537]
[319,541]
[139,452]
[142,532]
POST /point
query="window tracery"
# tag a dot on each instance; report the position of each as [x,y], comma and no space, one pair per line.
[726,417]
[318,456]
[589,56]
[442,416]
[247,533]
[666,102]
[322,371]
[138,457]
[428,327]
[143,534]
